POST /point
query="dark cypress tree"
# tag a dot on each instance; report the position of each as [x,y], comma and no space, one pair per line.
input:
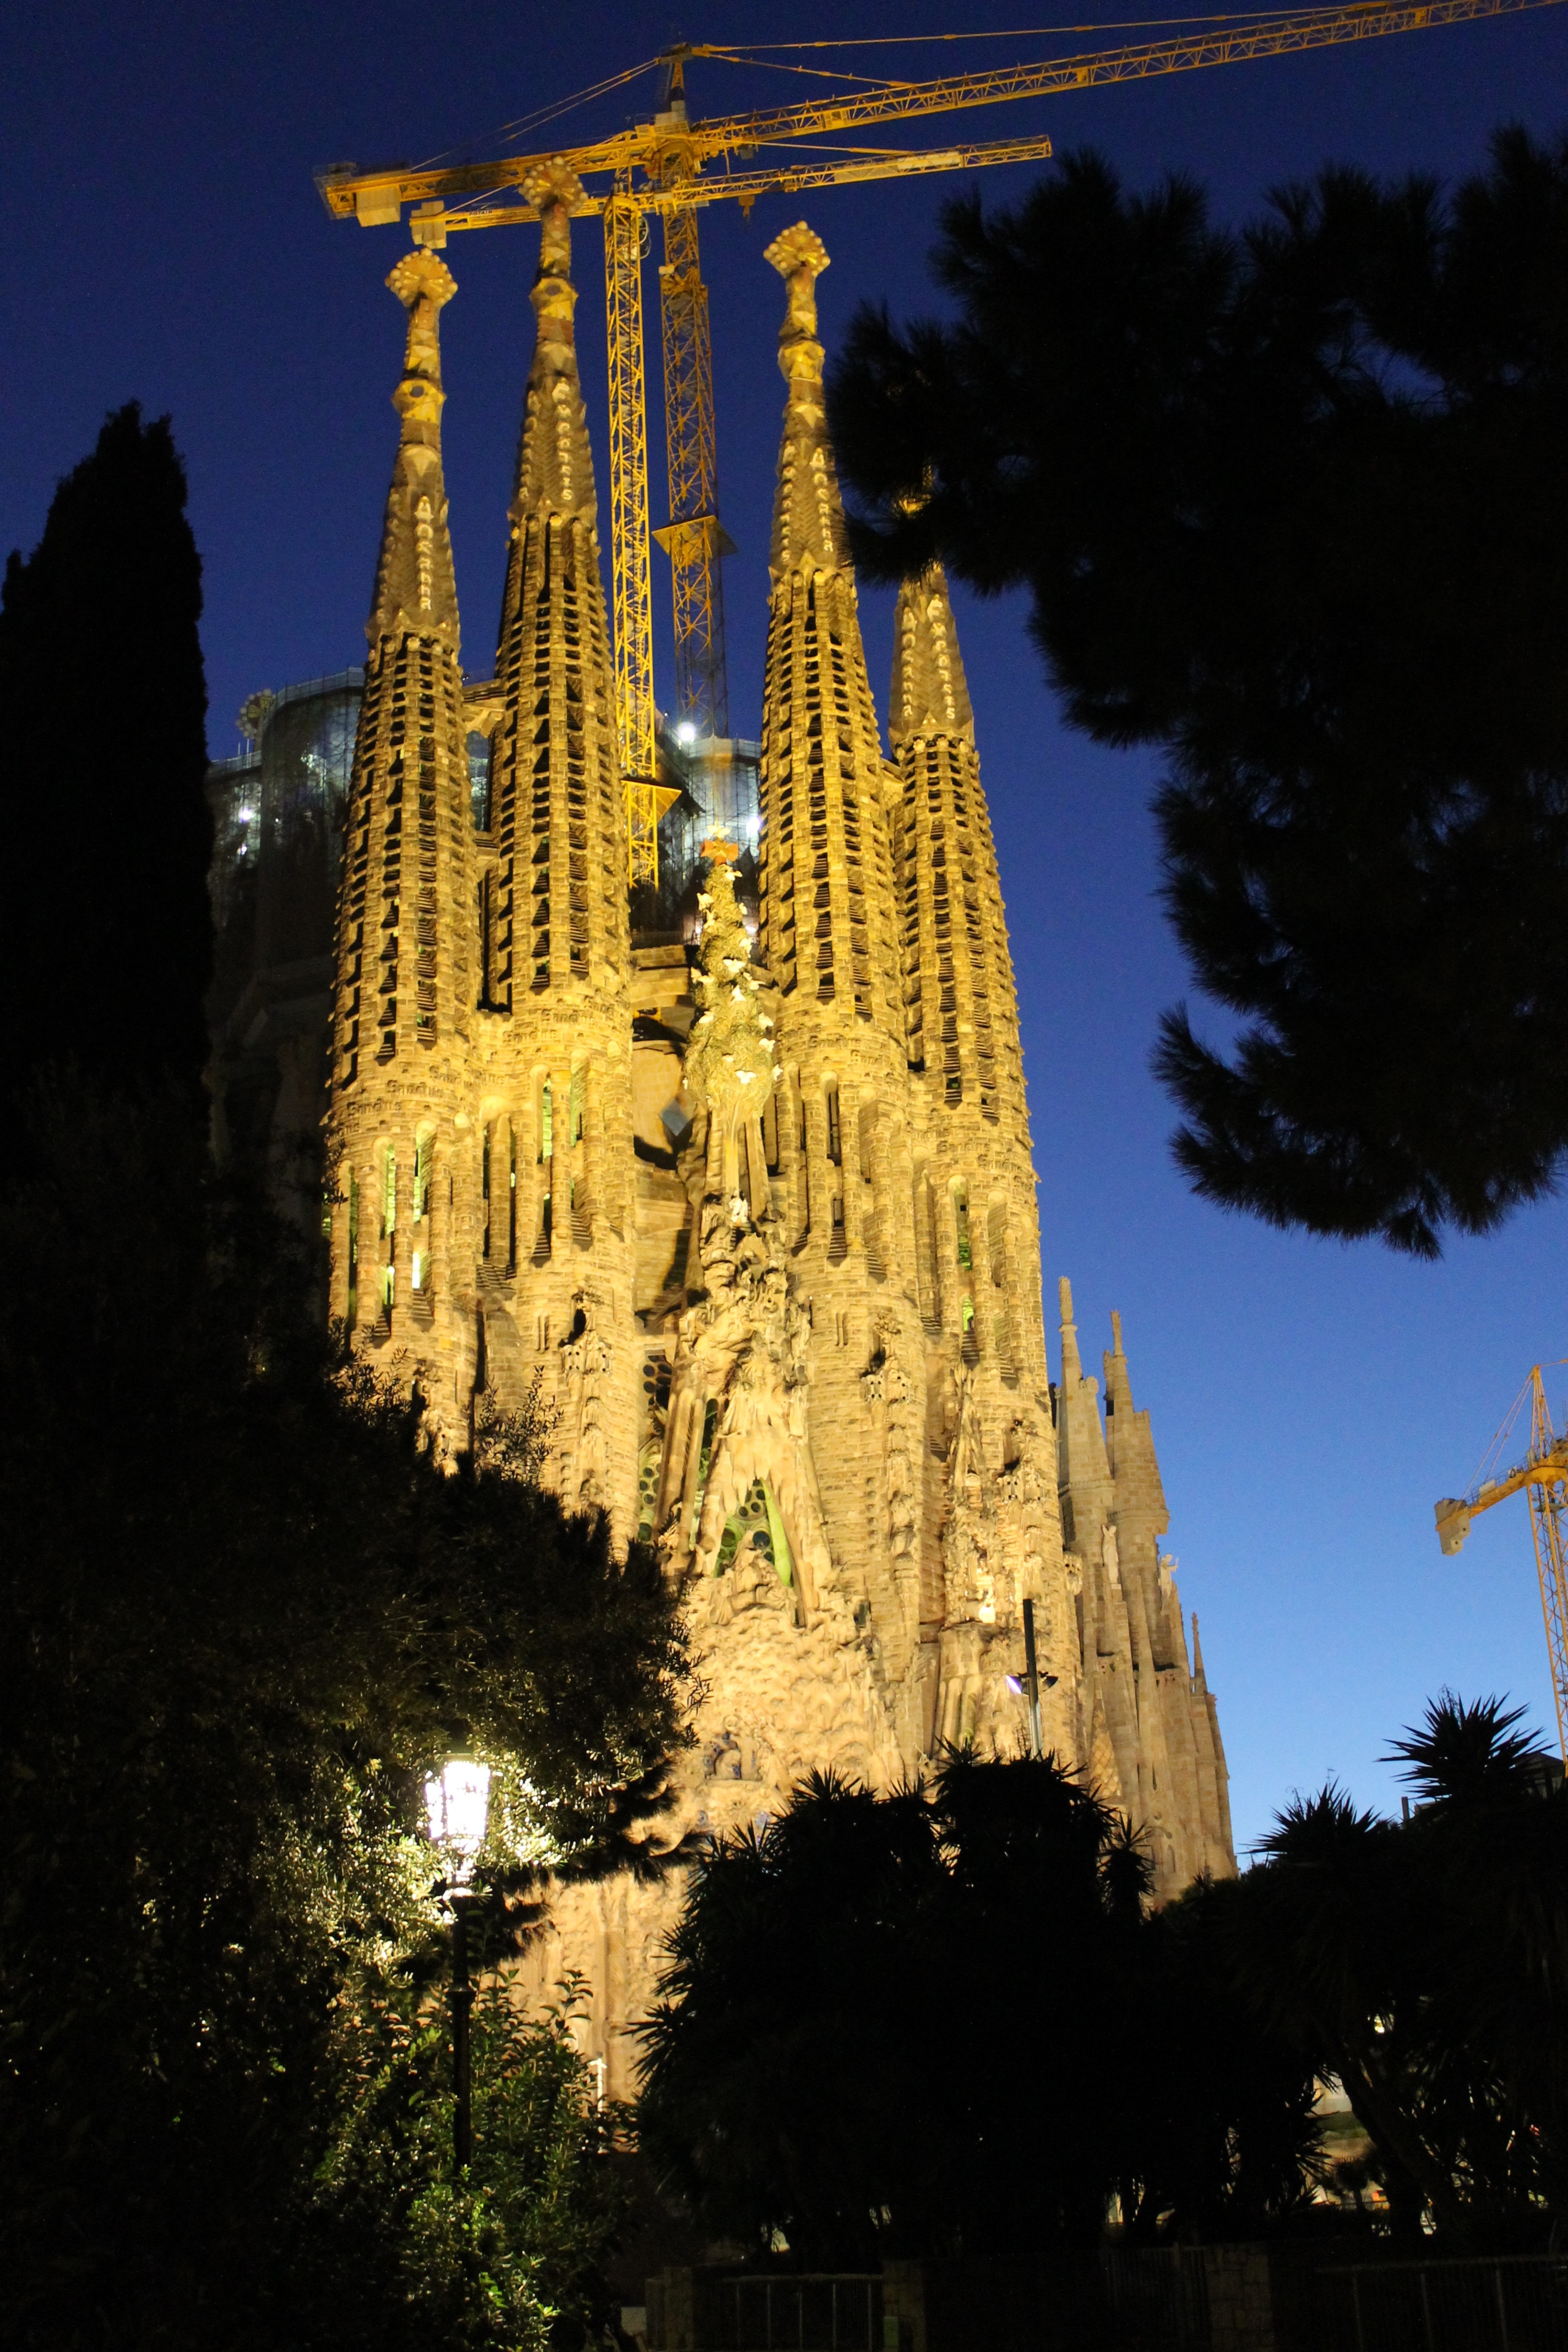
[1293,506]
[105,930]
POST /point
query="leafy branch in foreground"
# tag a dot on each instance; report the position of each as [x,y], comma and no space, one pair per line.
[242,1613]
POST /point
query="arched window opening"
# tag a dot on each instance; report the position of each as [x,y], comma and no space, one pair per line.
[835,1139]
[485,1147]
[422,1153]
[960,1215]
[756,1530]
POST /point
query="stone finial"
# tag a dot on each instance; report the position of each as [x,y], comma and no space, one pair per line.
[1063,1302]
[1200,1682]
[800,258]
[1116,1346]
[424,285]
[555,191]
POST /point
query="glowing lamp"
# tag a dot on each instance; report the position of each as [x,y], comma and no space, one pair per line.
[456,1804]
[686,732]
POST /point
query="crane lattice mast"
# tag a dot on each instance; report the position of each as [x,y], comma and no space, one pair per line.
[1544,1473]
[657,166]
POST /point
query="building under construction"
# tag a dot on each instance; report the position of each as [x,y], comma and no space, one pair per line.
[732,1171]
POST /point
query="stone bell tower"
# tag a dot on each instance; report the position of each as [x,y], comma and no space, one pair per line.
[404,993]
[552,1028]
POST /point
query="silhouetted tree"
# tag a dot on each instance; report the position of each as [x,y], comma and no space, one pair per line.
[242,1612]
[941,2022]
[1291,505]
[1429,1961]
[105,928]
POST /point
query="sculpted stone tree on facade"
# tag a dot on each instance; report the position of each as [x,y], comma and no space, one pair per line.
[730,1069]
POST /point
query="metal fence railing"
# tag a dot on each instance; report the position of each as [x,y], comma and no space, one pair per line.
[1510,2302]
[806,2312]
[1158,2296]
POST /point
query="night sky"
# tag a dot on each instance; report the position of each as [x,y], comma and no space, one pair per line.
[165,241]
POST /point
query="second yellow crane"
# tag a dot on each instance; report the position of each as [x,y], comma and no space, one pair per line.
[1544,1472]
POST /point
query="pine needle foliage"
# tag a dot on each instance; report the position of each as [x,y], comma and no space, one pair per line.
[1290,505]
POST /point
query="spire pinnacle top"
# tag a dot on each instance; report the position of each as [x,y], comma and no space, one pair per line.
[424,285]
[555,467]
[555,191]
[800,258]
[1072,1368]
[930,694]
[415,586]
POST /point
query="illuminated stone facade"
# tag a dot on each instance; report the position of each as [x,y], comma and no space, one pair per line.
[760,1218]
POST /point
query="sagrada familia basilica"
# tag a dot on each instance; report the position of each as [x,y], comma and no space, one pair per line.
[757,1213]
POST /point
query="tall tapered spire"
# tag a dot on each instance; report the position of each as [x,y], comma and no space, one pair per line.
[555,914]
[403,944]
[829,913]
[961,1004]
[406,934]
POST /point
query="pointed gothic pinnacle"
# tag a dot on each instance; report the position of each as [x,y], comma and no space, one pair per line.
[930,694]
[1072,1368]
[555,191]
[424,285]
[800,258]
[1200,1682]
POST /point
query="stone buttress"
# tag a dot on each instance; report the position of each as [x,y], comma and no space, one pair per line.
[405,968]
[989,1469]
[556,1246]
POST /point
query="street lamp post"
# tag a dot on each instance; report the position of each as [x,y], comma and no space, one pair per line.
[457,1806]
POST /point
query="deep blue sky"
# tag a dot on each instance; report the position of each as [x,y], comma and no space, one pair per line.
[163,240]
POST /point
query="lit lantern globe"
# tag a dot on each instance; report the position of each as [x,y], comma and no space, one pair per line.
[456,1805]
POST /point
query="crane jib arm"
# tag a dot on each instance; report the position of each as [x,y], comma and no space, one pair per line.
[376,197]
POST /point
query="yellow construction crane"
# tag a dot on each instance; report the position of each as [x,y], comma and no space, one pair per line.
[1544,1471]
[669,165]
